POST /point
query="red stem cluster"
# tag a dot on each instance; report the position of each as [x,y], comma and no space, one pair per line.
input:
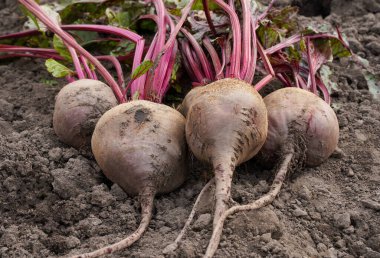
[151,86]
[240,61]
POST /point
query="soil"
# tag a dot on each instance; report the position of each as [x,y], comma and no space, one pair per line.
[56,202]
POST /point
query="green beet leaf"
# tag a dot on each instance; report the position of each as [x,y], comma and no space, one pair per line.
[142,69]
[57,69]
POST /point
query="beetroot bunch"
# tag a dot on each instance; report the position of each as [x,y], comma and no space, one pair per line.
[141,144]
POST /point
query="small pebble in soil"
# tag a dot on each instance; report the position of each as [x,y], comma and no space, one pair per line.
[338,153]
[340,243]
[267,237]
[202,222]
[350,172]
[342,220]
[315,215]
[305,193]
[55,154]
[298,212]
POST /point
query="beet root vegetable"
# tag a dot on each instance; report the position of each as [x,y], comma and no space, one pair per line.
[300,118]
[78,107]
[141,146]
[302,128]
[226,125]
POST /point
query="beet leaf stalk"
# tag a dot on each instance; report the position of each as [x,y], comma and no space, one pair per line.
[240,63]
[46,53]
[35,9]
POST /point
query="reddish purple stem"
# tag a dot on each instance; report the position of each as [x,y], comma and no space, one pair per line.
[117,66]
[86,67]
[214,57]
[121,33]
[311,82]
[39,13]
[252,65]
[208,16]
[265,13]
[76,62]
[246,43]
[265,59]
[264,81]
[322,87]
[205,64]
[236,50]
[190,60]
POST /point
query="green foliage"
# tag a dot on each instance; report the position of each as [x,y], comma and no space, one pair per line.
[293,53]
[279,24]
[57,69]
[122,47]
[198,5]
[283,19]
[175,6]
[125,17]
[80,12]
[268,36]
[338,49]
[61,48]
[32,20]
[84,37]
[34,23]
[142,69]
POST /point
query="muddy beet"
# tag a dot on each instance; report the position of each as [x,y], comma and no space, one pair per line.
[56,202]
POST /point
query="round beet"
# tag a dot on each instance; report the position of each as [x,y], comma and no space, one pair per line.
[78,107]
[298,117]
[141,146]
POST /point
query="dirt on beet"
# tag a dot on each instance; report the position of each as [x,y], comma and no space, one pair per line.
[54,200]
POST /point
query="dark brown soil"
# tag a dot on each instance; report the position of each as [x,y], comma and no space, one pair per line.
[54,200]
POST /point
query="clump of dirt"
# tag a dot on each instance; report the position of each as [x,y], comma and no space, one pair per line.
[56,202]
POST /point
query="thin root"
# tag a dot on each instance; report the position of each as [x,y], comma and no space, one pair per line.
[146,201]
[173,246]
[263,201]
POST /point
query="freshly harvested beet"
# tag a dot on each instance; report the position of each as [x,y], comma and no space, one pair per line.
[141,146]
[226,125]
[78,107]
[298,117]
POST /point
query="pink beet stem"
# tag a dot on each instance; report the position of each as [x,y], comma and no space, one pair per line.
[311,81]
[246,40]
[194,66]
[206,66]
[214,57]
[76,62]
[86,67]
[208,16]
[264,81]
[39,13]
[117,66]
[236,50]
